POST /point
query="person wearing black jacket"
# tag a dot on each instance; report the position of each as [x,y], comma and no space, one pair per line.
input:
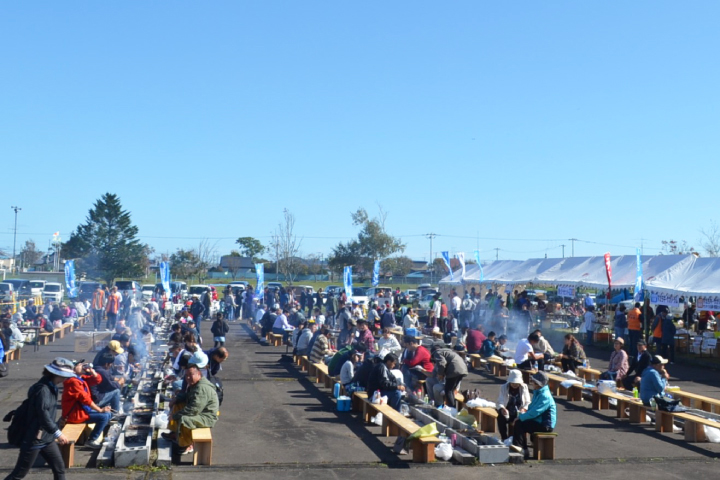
[42,435]
[638,364]
[382,379]
[362,373]
[219,329]
[107,392]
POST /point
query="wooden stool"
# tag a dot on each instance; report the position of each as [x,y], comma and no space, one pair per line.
[202,444]
[544,445]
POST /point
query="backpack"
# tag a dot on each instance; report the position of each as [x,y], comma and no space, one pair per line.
[217,383]
[19,420]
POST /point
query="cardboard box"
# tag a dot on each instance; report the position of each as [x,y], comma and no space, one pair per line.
[83,342]
[101,339]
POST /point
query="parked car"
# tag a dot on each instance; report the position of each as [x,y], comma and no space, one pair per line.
[360,295]
[198,290]
[179,288]
[275,285]
[21,287]
[335,289]
[37,287]
[408,296]
[130,286]
[6,292]
[240,282]
[53,292]
[86,290]
[373,292]
[425,301]
[147,292]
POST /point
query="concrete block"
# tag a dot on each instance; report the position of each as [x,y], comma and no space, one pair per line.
[463,457]
[164,450]
[516,458]
[493,454]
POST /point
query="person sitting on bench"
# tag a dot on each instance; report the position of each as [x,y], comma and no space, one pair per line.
[197,407]
[417,364]
[654,379]
[540,415]
[513,400]
[382,379]
[78,405]
[638,364]
[618,366]
[450,369]
[572,355]
[525,356]
[107,392]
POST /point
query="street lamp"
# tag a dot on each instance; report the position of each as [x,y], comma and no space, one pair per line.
[17,209]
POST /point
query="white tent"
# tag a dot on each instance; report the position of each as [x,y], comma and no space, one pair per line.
[701,277]
[491,272]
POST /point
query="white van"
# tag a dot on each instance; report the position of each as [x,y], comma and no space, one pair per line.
[37,287]
[53,292]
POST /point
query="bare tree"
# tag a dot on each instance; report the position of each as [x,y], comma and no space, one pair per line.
[286,246]
[314,263]
[711,239]
[206,255]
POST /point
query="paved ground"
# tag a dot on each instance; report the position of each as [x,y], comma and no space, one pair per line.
[275,423]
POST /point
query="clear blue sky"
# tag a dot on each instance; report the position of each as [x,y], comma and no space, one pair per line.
[529,120]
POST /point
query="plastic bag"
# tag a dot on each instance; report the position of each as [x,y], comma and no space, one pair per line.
[712,434]
[570,383]
[480,403]
[161,420]
[508,441]
[450,411]
[429,430]
[377,419]
[465,417]
[444,451]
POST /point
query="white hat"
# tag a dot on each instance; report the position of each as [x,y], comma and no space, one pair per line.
[515,376]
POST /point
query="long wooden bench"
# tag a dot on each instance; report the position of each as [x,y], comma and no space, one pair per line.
[74,433]
[694,400]
[202,445]
[13,354]
[45,337]
[58,333]
[694,431]
[395,424]
[68,328]
[589,374]
[601,401]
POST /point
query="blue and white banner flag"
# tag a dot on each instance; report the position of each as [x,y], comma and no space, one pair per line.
[639,284]
[72,289]
[446,257]
[461,258]
[260,276]
[376,274]
[477,259]
[165,278]
[347,281]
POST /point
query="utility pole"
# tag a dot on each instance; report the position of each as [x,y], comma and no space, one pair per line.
[573,240]
[563,247]
[431,236]
[497,252]
[17,209]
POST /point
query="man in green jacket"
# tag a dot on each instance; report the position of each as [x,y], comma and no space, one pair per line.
[197,407]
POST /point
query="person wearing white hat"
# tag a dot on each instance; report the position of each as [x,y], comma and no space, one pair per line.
[41,434]
[654,379]
[514,399]
[540,416]
[195,408]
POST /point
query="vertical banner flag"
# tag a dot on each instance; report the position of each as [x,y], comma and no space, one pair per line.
[70,278]
[461,258]
[446,257]
[165,278]
[376,274]
[347,281]
[608,271]
[477,259]
[260,276]
[638,295]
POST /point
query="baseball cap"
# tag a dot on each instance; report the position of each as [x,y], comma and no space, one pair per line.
[115,346]
[658,360]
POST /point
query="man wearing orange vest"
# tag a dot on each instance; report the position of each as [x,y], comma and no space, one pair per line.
[112,308]
[98,305]
[634,328]
[660,315]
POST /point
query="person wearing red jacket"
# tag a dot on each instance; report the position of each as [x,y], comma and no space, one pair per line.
[77,403]
[417,363]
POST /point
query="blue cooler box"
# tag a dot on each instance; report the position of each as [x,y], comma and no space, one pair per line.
[343,404]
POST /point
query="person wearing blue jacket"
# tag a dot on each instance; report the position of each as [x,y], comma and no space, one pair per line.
[539,417]
[654,379]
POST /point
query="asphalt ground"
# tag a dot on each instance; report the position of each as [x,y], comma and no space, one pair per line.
[274,423]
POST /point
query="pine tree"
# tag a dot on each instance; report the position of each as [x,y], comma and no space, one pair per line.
[106,245]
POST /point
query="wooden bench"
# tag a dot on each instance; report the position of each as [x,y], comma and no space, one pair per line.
[75,432]
[589,374]
[13,354]
[323,376]
[697,401]
[68,328]
[45,337]
[202,445]
[694,431]
[544,445]
[396,424]
[276,339]
[601,401]
[573,393]
[58,333]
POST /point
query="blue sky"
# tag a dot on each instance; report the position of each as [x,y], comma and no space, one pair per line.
[511,125]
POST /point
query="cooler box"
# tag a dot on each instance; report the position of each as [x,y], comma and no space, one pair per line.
[343,404]
[83,342]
